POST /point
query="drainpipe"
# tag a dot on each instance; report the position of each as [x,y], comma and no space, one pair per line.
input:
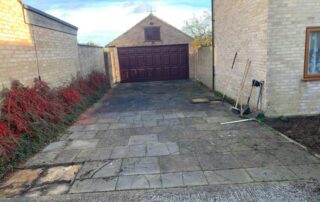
[213,42]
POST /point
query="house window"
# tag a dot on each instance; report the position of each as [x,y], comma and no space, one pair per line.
[152,33]
[312,58]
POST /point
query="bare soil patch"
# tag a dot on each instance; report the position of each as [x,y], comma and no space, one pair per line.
[305,130]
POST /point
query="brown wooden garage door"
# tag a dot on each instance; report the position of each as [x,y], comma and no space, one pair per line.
[156,63]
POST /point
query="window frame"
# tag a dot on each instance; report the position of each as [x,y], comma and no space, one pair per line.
[145,34]
[306,75]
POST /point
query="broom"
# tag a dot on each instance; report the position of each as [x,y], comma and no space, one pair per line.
[235,109]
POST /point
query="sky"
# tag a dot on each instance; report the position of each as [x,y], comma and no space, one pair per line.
[101,21]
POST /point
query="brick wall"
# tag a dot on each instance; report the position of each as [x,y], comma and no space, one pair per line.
[240,26]
[91,58]
[288,94]
[33,43]
[203,66]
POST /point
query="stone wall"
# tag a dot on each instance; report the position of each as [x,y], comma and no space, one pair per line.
[17,52]
[56,55]
[288,93]
[33,44]
[240,26]
[203,66]
[91,58]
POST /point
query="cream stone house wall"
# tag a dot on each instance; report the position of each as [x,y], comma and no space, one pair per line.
[203,66]
[135,37]
[272,34]
[33,44]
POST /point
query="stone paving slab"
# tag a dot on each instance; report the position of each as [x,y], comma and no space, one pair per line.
[136,166]
[97,154]
[96,127]
[173,115]
[172,179]
[230,176]
[82,135]
[89,168]
[294,156]
[93,185]
[256,158]
[218,161]
[158,141]
[113,141]
[66,156]
[201,146]
[100,169]
[162,149]
[194,178]
[309,171]
[55,146]
[42,158]
[82,144]
[178,163]
[143,139]
[128,151]
[139,182]
[274,173]
[109,169]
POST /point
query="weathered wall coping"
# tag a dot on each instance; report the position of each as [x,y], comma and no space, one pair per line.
[90,46]
[36,17]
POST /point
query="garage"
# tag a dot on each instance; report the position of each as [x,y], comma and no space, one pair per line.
[152,50]
[153,63]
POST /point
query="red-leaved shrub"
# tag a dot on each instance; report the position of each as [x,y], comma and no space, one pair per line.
[31,111]
[8,141]
[70,95]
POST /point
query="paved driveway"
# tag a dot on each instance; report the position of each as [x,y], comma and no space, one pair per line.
[149,136]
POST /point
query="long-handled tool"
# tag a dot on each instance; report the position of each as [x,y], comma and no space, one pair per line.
[228,80]
[239,121]
[235,109]
[246,110]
